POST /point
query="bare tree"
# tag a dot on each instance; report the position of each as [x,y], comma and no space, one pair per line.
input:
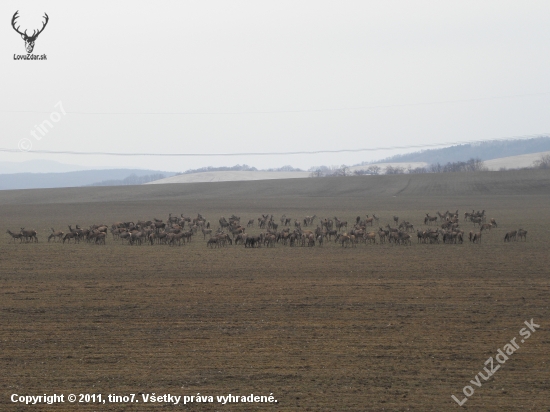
[397,170]
[344,171]
[374,169]
[316,173]
[543,162]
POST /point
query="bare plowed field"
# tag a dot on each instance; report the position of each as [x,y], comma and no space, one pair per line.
[372,328]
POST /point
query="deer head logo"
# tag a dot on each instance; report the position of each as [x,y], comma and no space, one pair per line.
[29,40]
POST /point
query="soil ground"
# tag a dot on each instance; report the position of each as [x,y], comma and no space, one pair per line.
[372,328]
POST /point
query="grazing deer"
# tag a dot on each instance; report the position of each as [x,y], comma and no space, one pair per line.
[100,238]
[55,235]
[15,236]
[486,226]
[344,239]
[72,235]
[429,219]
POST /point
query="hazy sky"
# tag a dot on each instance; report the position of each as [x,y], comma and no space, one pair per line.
[326,75]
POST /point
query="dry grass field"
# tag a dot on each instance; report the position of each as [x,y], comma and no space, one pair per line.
[372,328]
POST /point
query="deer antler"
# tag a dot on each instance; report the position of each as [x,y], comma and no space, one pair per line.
[34,33]
[15,16]
[43,26]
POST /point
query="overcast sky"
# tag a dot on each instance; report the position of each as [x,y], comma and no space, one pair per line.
[271,76]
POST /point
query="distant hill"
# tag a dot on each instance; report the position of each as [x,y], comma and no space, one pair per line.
[42,166]
[489,150]
[74,179]
[230,176]
[265,195]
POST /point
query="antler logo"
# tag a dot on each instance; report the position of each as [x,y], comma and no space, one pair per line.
[29,40]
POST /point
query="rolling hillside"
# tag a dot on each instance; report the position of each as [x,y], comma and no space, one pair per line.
[338,189]
[68,179]
[488,150]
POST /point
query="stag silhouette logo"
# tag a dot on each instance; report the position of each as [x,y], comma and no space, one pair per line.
[29,40]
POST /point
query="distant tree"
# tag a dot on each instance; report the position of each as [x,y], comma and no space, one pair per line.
[397,170]
[344,171]
[374,169]
[417,170]
[542,163]
[472,165]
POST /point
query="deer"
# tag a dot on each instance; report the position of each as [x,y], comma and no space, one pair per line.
[71,235]
[29,235]
[429,219]
[476,238]
[510,235]
[382,236]
[340,223]
[29,40]
[207,232]
[55,235]
[100,238]
[15,236]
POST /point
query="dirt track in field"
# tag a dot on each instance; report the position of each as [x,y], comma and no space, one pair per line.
[323,329]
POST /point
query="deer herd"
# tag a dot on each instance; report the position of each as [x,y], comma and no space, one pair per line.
[308,231]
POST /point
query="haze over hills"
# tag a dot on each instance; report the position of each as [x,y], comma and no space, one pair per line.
[511,154]
[488,150]
[42,166]
[71,179]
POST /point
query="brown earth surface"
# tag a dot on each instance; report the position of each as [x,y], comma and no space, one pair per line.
[374,328]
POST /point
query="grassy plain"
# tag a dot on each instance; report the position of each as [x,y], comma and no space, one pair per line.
[324,329]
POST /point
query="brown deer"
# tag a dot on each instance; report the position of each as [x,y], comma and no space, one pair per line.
[429,219]
[510,235]
[29,235]
[15,236]
[56,234]
[71,235]
[486,226]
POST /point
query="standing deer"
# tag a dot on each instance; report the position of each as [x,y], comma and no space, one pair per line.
[29,235]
